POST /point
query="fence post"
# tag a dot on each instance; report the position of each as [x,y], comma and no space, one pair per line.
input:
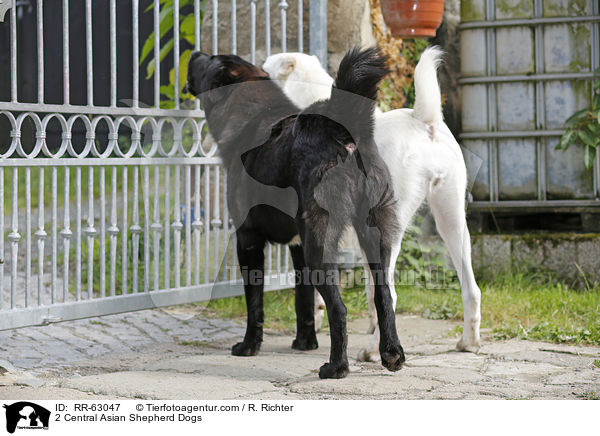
[318,30]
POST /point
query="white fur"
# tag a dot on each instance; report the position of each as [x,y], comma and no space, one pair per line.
[424,160]
[301,76]
[428,98]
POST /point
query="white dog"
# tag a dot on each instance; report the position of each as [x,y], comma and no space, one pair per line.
[425,161]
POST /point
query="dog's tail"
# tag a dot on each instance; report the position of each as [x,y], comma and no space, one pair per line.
[361,71]
[428,99]
[355,90]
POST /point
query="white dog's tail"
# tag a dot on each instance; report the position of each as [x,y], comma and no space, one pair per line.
[428,99]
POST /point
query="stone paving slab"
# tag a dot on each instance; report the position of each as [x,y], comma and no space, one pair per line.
[170,386]
[177,353]
[50,393]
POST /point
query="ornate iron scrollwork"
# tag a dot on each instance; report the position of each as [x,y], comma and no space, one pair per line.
[5,5]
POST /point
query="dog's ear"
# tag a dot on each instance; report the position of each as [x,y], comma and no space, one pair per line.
[287,66]
[247,72]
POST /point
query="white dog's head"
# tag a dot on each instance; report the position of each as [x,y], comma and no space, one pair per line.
[301,76]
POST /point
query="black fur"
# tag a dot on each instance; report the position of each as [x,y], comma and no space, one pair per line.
[309,173]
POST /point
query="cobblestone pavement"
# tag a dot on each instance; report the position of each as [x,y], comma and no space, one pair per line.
[37,348]
[176,353]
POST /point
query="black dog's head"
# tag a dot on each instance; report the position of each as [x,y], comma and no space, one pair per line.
[207,73]
[239,100]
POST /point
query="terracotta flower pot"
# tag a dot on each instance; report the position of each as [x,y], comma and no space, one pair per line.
[412,18]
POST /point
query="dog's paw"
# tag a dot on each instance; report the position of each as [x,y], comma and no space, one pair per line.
[392,357]
[305,343]
[245,349]
[470,346]
[334,370]
[365,355]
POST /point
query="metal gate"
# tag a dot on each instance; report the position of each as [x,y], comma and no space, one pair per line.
[526,67]
[108,204]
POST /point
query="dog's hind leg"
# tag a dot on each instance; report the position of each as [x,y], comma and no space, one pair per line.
[370,290]
[448,208]
[325,277]
[306,339]
[369,354]
[375,243]
[251,258]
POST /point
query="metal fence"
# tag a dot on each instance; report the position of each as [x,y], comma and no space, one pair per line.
[106,208]
[526,67]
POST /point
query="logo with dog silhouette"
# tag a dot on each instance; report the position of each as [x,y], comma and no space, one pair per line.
[26,415]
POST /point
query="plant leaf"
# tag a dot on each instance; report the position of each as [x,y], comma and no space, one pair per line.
[589,154]
[167,91]
[163,52]
[587,137]
[166,23]
[148,46]
[566,140]
[183,66]
[576,115]
[187,26]
[184,60]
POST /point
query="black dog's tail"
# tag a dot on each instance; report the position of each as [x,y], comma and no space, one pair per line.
[361,71]
[355,90]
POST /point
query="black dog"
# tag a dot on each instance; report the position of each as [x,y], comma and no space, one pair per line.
[308,173]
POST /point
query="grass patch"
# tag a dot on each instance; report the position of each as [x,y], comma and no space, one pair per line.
[524,305]
[591,395]
[100,323]
[195,343]
[279,308]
